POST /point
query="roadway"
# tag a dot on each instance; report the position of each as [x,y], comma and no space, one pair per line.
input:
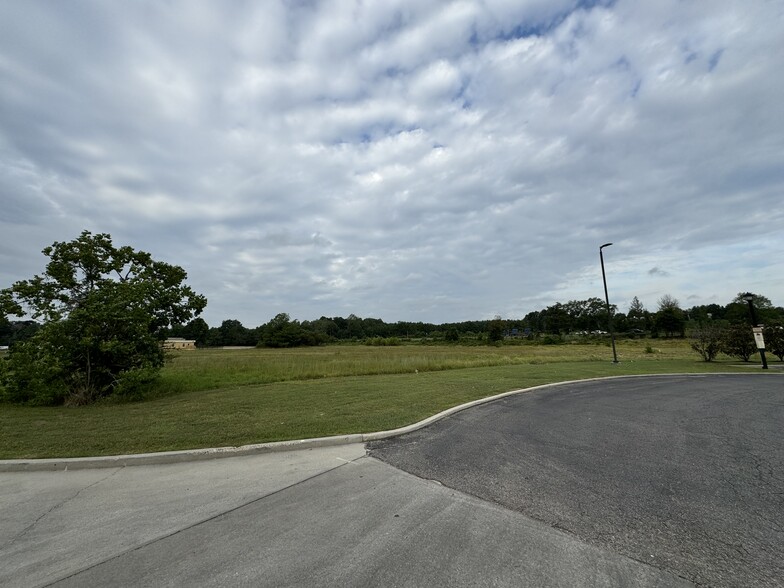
[670,481]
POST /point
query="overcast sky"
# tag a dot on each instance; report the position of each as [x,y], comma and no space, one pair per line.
[405,160]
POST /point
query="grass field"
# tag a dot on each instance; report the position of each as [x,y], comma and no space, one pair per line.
[212,398]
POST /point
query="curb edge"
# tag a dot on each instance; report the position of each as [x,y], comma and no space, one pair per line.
[187,455]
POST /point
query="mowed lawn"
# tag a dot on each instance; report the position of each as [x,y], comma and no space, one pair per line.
[216,398]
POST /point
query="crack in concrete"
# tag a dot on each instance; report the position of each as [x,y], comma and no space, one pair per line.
[57,506]
[190,526]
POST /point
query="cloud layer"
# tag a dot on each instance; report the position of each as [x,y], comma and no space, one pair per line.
[405,160]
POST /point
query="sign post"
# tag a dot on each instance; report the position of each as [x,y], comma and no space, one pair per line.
[758,339]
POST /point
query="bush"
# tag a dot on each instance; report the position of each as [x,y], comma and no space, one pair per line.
[383,341]
[706,340]
[132,383]
[495,331]
[32,374]
[774,339]
[738,341]
[67,362]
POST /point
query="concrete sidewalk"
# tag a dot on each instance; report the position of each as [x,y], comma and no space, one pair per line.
[321,517]
[56,523]
[326,515]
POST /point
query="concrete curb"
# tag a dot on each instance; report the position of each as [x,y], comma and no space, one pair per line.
[164,457]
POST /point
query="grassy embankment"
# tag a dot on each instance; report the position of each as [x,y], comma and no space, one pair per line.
[212,398]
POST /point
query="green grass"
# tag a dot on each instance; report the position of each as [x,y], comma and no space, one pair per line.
[215,398]
[215,368]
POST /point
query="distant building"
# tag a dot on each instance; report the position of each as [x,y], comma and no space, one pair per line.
[179,343]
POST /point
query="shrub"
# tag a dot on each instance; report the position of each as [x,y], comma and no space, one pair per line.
[495,331]
[774,340]
[32,374]
[382,341]
[738,341]
[706,340]
[452,335]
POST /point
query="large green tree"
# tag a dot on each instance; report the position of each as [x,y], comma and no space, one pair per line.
[638,317]
[232,333]
[669,319]
[760,302]
[738,310]
[105,311]
[281,331]
[588,315]
[495,330]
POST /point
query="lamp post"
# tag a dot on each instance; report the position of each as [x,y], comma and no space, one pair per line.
[607,299]
[749,297]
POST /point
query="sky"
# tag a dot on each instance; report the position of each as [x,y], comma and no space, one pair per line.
[403,160]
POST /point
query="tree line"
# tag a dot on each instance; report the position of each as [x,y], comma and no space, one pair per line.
[100,313]
[572,318]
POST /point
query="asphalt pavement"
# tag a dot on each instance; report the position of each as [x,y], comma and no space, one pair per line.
[549,488]
[684,473]
[350,520]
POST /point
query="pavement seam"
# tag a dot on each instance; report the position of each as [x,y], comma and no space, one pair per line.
[539,522]
[196,524]
[111,461]
[60,504]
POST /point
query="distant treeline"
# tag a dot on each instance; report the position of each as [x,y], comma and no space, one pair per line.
[573,318]
[576,317]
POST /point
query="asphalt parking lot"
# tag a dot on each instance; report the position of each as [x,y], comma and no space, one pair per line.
[684,473]
[666,481]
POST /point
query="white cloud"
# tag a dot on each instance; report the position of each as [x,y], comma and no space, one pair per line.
[405,160]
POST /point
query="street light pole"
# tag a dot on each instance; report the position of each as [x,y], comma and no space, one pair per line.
[607,299]
[749,297]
